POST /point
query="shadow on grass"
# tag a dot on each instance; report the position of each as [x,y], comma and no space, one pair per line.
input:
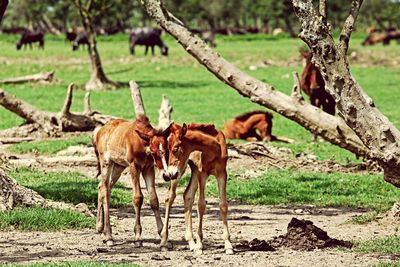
[81,191]
[171,84]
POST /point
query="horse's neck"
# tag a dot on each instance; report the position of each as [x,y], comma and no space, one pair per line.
[198,141]
[253,120]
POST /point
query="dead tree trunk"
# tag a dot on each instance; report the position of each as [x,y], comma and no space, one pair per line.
[378,143]
[98,79]
[357,109]
[164,117]
[54,123]
[3,7]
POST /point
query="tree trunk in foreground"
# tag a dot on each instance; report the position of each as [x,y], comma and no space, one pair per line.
[357,109]
[332,129]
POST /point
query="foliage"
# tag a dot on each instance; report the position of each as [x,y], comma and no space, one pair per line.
[62,186]
[321,189]
[39,219]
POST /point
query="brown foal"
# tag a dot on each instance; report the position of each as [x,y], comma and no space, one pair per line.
[137,145]
[209,157]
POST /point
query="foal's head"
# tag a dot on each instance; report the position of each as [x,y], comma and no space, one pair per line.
[157,146]
[176,151]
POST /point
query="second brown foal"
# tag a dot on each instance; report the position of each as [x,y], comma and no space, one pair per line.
[209,157]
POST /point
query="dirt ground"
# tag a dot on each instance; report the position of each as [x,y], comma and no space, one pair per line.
[246,223]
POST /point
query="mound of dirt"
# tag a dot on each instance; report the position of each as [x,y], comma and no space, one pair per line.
[254,245]
[304,235]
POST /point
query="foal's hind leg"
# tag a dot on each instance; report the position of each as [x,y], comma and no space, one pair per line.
[137,202]
[113,172]
[188,197]
[223,206]
[201,208]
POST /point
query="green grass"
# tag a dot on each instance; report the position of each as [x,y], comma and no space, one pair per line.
[388,264]
[383,245]
[321,189]
[39,219]
[196,95]
[49,147]
[71,187]
[366,218]
[71,264]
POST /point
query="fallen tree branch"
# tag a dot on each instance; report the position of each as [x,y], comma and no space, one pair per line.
[12,195]
[53,123]
[39,77]
[332,129]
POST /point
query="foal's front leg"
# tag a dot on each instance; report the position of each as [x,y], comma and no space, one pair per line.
[164,245]
[137,203]
[149,178]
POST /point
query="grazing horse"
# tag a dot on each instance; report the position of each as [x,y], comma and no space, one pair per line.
[137,145]
[245,126]
[374,38]
[313,85]
[149,38]
[27,38]
[209,157]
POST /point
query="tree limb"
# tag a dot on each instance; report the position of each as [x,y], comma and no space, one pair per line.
[136,99]
[331,128]
[3,7]
[322,9]
[68,100]
[348,26]
[164,118]
[296,90]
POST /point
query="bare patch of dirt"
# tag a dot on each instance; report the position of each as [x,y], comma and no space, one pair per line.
[246,222]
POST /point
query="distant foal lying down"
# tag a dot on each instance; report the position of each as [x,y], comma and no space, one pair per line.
[137,145]
[245,126]
[210,156]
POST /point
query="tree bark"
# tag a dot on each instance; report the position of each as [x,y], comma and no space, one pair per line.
[54,123]
[3,7]
[39,77]
[164,117]
[332,129]
[357,109]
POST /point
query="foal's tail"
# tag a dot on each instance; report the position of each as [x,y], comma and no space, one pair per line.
[96,151]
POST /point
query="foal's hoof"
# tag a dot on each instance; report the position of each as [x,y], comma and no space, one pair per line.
[99,228]
[138,244]
[110,243]
[198,251]
[229,251]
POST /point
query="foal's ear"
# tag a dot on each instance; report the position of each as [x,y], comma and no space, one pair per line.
[167,131]
[146,137]
[183,131]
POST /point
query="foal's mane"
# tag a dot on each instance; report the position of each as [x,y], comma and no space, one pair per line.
[247,115]
[205,128]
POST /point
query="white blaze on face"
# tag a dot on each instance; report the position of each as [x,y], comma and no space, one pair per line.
[164,162]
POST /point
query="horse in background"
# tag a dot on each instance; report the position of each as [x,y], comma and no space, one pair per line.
[313,85]
[252,126]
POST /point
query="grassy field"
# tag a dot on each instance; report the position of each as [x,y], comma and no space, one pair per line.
[197,96]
